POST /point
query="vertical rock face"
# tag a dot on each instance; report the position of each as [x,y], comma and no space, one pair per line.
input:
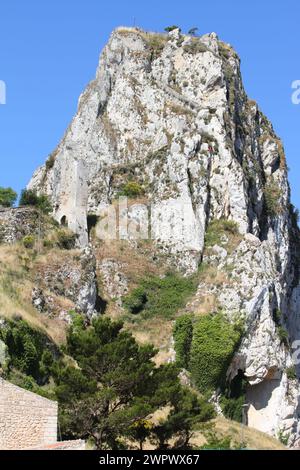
[170,114]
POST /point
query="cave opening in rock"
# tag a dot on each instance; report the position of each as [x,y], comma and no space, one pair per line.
[92,220]
[100,305]
[234,399]
[64,221]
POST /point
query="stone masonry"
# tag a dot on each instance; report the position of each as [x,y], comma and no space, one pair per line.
[16,223]
[26,419]
[29,421]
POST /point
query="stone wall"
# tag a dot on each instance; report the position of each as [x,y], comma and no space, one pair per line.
[26,419]
[16,223]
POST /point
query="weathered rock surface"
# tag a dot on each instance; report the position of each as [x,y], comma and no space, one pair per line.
[170,113]
[75,279]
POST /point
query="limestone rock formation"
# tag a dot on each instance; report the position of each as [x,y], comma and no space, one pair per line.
[170,114]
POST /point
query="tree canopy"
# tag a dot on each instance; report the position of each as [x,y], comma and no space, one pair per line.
[112,387]
[29,197]
[7,197]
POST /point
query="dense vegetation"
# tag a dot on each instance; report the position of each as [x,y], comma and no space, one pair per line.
[132,189]
[183,336]
[157,296]
[29,197]
[205,347]
[29,353]
[234,397]
[106,384]
[114,386]
[214,342]
[217,228]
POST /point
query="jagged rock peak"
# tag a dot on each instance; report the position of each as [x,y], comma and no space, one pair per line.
[169,115]
[169,112]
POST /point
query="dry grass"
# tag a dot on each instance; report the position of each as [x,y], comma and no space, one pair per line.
[15,292]
[253,438]
[155,41]
[268,137]
[12,308]
[109,129]
[156,331]
[207,304]
[136,263]
[177,109]
[212,275]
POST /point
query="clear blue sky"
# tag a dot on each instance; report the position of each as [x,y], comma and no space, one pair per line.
[49,52]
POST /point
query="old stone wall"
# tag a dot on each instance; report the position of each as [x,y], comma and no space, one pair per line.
[16,223]
[26,419]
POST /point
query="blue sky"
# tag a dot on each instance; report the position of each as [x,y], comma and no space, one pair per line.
[49,52]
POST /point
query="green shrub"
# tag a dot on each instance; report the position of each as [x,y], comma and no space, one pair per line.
[283,335]
[277,316]
[232,408]
[195,47]
[28,383]
[7,197]
[272,195]
[136,301]
[28,241]
[66,240]
[50,162]
[283,437]
[29,197]
[168,29]
[234,397]
[215,341]
[161,297]
[193,31]
[291,373]
[48,243]
[160,154]
[132,189]
[183,335]
[25,347]
[214,442]
[218,227]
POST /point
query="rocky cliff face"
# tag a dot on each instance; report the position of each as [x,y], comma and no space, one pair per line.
[170,115]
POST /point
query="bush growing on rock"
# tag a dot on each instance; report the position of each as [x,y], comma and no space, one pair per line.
[291,373]
[50,162]
[28,241]
[234,397]
[66,239]
[136,301]
[283,335]
[168,29]
[195,47]
[183,336]
[218,227]
[132,189]
[272,195]
[215,341]
[29,197]
[160,296]
[26,348]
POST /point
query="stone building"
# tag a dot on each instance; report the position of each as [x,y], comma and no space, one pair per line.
[29,421]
